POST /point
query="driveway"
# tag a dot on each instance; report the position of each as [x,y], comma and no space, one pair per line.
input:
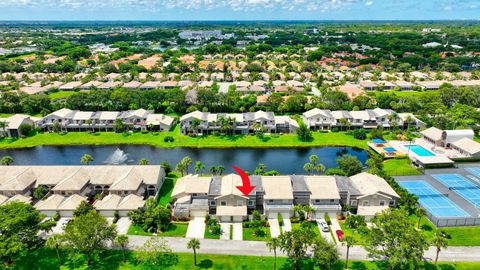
[335,225]
[326,235]
[62,222]
[123,224]
[196,228]
[287,225]
[237,231]
[225,231]
[274,227]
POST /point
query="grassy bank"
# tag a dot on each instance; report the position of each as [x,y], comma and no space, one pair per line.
[47,259]
[399,167]
[157,139]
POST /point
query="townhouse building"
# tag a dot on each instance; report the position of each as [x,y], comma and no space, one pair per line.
[112,188]
[364,193]
[238,123]
[318,119]
[73,120]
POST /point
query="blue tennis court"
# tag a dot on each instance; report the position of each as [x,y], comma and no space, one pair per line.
[462,186]
[433,201]
[474,171]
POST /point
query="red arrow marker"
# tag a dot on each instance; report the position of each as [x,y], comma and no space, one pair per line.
[245,188]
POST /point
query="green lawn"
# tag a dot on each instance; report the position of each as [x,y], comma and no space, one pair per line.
[60,94]
[156,139]
[165,193]
[408,93]
[399,167]
[176,229]
[208,235]
[45,259]
[248,235]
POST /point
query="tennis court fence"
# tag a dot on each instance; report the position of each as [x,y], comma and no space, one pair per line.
[453,222]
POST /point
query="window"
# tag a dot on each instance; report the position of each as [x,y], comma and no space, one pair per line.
[365,203]
[332,200]
[317,201]
[251,203]
[223,203]
[353,202]
[213,203]
[392,203]
[382,203]
[270,201]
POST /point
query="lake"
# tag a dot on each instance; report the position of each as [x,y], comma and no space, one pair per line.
[284,160]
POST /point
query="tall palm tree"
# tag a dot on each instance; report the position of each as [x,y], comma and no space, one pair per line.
[55,241]
[122,241]
[6,160]
[199,167]
[439,242]
[86,159]
[194,244]
[213,170]
[308,167]
[313,159]
[272,244]
[348,241]
[186,161]
[320,168]
[420,213]
[144,161]
[220,169]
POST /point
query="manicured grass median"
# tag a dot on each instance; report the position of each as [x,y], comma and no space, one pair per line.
[248,235]
[176,229]
[60,94]
[112,259]
[399,167]
[157,139]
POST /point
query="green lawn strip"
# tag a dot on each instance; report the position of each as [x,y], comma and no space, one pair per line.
[60,94]
[5,115]
[399,167]
[112,259]
[165,193]
[350,232]
[157,139]
[208,235]
[248,235]
[176,229]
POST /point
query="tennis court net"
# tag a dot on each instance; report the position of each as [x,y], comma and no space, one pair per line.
[432,195]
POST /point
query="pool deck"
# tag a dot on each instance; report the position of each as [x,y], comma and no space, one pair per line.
[452,195]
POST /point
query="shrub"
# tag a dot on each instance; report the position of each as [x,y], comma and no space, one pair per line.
[56,217]
[116,216]
[335,129]
[360,134]
[168,139]
[280,219]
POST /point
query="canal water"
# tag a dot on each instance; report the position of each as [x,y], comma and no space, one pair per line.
[284,160]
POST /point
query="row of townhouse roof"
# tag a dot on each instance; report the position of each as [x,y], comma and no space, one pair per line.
[73,120]
[273,195]
[318,119]
[239,123]
[121,188]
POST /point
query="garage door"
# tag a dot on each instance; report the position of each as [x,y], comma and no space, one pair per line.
[225,218]
[238,219]
[198,213]
[272,214]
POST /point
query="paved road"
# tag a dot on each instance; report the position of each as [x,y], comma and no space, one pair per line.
[258,248]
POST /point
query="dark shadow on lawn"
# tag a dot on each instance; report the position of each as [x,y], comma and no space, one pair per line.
[205,264]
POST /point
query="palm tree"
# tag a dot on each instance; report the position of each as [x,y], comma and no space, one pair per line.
[308,210]
[194,244]
[308,167]
[3,125]
[348,241]
[320,168]
[194,125]
[86,159]
[420,213]
[213,170]
[144,161]
[55,241]
[199,167]
[272,244]
[220,169]
[313,159]
[122,241]
[7,160]
[187,161]
[439,242]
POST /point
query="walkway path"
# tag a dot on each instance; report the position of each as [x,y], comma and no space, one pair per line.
[287,225]
[225,231]
[259,248]
[237,231]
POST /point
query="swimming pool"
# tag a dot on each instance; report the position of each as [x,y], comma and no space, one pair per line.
[420,151]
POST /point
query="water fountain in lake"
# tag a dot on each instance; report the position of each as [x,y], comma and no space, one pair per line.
[118,157]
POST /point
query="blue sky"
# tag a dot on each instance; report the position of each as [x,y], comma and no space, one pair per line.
[239,9]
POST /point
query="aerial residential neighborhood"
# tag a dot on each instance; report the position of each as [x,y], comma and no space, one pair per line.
[240,134]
